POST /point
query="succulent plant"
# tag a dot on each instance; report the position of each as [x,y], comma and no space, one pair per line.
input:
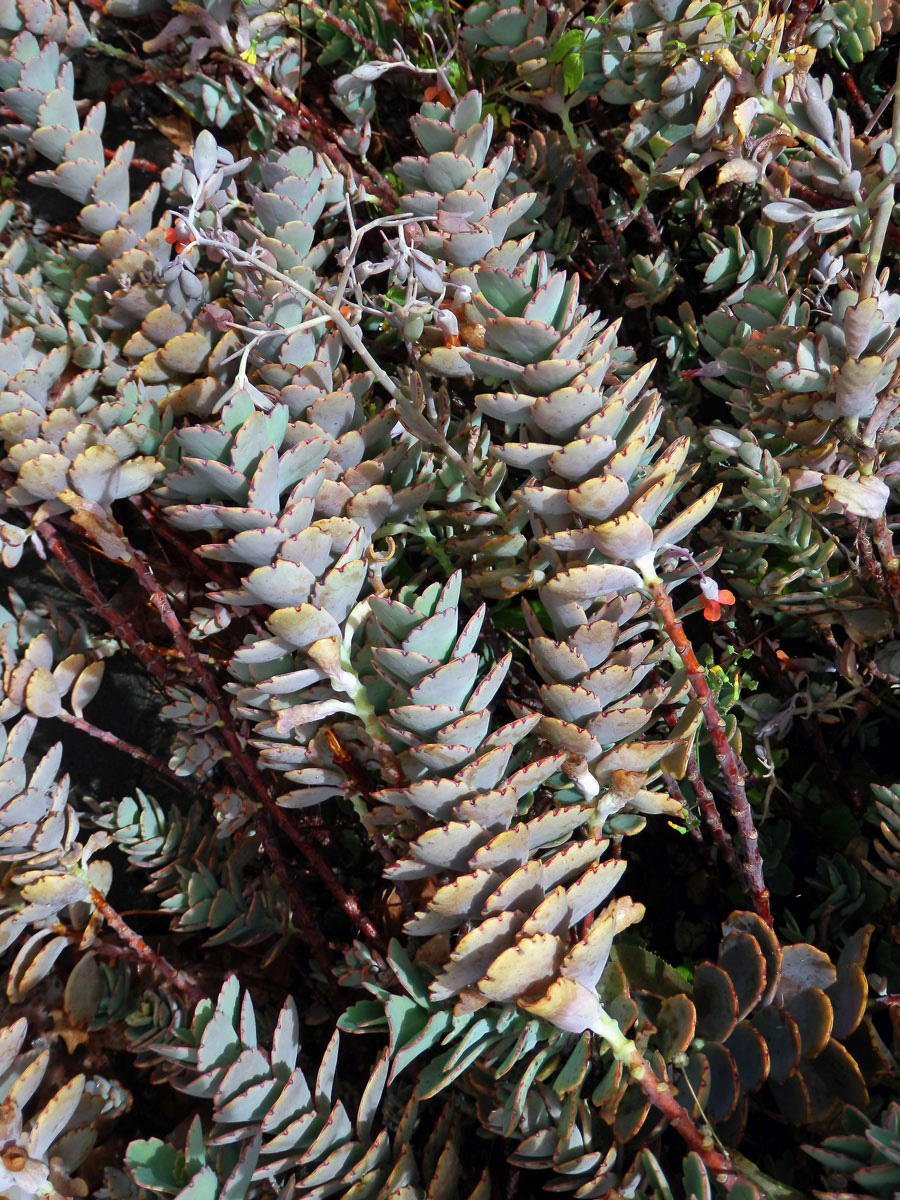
[42,1152]
[455,187]
[309,1136]
[337,433]
[863,1156]
[852,29]
[887,846]
[782,1015]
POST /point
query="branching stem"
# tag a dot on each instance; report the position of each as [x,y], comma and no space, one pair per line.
[118,623]
[707,803]
[242,760]
[251,772]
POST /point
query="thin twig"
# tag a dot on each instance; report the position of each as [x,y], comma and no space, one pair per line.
[140,947]
[117,621]
[711,815]
[730,763]
[242,760]
[662,1097]
[113,739]
[855,94]
[673,787]
[871,568]
[720,835]
[707,803]
[309,930]
[247,766]
[575,1008]
[889,561]
[321,134]
[599,216]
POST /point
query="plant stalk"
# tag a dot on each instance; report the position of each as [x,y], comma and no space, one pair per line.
[118,623]
[884,541]
[112,739]
[249,769]
[662,1096]
[156,961]
[730,763]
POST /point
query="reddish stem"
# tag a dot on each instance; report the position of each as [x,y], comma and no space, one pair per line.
[167,536]
[889,561]
[206,568]
[118,623]
[599,216]
[157,668]
[662,1096]
[139,164]
[112,739]
[730,763]
[855,94]
[321,135]
[140,947]
[720,836]
[248,767]
[674,789]
[710,812]
[871,568]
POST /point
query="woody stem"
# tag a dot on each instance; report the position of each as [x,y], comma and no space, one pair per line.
[889,561]
[729,762]
[142,950]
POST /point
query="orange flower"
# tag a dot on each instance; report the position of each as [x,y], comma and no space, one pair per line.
[440,94]
[171,236]
[712,609]
[346,310]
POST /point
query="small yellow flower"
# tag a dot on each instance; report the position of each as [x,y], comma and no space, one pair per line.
[249,55]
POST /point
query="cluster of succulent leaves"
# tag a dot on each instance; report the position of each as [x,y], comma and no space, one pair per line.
[449,470]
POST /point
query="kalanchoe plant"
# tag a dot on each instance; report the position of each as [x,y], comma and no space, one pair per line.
[346,511]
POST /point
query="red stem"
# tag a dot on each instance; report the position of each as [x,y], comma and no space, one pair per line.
[889,561]
[855,94]
[320,133]
[662,1096]
[166,536]
[710,812]
[112,739]
[248,767]
[871,568]
[674,789]
[157,668]
[140,947]
[731,765]
[118,623]
[720,835]
[139,164]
